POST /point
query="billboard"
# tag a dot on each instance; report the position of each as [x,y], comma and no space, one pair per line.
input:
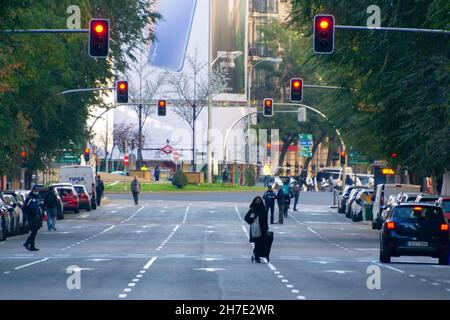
[229,34]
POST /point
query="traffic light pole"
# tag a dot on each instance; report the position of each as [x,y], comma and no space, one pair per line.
[86,90]
[45,31]
[415,30]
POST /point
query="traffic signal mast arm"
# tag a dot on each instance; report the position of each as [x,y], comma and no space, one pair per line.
[416,30]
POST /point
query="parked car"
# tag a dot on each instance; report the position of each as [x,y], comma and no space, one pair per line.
[382,194]
[388,207]
[83,196]
[15,212]
[19,201]
[5,221]
[343,198]
[357,205]
[415,229]
[351,198]
[429,198]
[69,198]
[444,203]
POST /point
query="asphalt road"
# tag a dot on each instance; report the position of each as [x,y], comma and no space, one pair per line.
[188,249]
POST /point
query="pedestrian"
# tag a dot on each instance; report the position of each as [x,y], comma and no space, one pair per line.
[51,207]
[157,173]
[257,211]
[288,195]
[269,199]
[224,176]
[135,189]
[281,201]
[33,212]
[99,189]
[94,197]
[296,191]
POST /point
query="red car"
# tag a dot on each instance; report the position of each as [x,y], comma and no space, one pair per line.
[69,198]
[83,196]
[444,203]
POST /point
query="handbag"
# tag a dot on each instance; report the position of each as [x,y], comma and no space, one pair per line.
[255,229]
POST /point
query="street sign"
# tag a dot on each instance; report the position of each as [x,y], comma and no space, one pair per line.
[176,156]
[126,160]
[167,149]
[305,145]
[356,159]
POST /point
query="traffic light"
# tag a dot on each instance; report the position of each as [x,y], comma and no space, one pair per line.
[342,158]
[296,90]
[268,107]
[87,154]
[324,34]
[162,108]
[122,91]
[99,38]
[23,157]
[268,146]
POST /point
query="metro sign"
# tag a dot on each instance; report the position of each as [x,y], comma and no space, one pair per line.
[167,149]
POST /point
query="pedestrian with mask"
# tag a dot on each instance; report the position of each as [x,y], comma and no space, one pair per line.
[269,199]
[33,212]
[281,201]
[99,189]
[296,191]
[51,207]
[135,189]
[257,218]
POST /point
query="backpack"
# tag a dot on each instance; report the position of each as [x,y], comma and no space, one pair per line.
[285,189]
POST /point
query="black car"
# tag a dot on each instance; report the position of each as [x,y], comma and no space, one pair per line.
[415,229]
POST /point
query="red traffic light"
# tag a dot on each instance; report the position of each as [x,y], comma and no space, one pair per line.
[324,34]
[23,154]
[394,155]
[126,160]
[99,38]
[99,28]
[122,91]
[162,108]
[297,84]
[162,103]
[87,151]
[324,23]
[297,90]
[122,86]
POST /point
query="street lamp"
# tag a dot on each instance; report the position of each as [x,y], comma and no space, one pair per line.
[220,54]
[250,73]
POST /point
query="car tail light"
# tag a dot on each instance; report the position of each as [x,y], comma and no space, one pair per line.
[444,227]
[390,225]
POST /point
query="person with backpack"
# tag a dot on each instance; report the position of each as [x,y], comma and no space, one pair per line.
[288,195]
[51,205]
[33,212]
[269,199]
[258,231]
[281,201]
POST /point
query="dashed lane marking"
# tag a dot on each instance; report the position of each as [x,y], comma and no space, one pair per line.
[30,264]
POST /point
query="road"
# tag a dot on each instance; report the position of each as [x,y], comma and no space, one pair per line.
[196,248]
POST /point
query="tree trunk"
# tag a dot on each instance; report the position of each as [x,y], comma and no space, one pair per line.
[314,150]
[284,150]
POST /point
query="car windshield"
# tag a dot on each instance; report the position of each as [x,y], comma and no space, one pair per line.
[65,192]
[79,189]
[418,213]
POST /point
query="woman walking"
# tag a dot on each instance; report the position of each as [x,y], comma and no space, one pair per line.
[257,218]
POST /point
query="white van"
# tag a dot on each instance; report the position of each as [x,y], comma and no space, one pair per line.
[383,192]
[83,175]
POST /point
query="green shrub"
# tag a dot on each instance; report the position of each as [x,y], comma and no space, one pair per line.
[179,179]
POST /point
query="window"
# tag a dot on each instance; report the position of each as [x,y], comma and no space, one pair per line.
[413,213]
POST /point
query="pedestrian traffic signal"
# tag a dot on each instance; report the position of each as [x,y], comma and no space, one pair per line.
[99,38]
[268,146]
[162,108]
[268,107]
[296,90]
[342,157]
[122,91]
[87,154]
[324,34]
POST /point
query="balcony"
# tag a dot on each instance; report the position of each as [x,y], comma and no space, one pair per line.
[263,6]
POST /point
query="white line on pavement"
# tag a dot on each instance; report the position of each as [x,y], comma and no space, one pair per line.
[389,267]
[186,214]
[149,264]
[30,264]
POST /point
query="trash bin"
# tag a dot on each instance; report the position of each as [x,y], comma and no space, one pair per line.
[367,212]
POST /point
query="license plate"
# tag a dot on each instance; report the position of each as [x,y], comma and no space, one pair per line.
[417,244]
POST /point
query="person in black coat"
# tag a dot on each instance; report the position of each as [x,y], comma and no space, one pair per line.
[257,209]
[33,212]
[99,189]
[269,198]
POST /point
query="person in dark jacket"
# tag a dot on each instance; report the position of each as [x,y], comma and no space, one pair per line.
[99,189]
[135,189]
[34,215]
[296,191]
[51,207]
[257,209]
[269,199]
[281,201]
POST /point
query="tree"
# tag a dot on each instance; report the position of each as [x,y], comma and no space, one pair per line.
[192,91]
[399,81]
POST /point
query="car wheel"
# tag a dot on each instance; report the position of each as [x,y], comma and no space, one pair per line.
[444,259]
[384,258]
[77,211]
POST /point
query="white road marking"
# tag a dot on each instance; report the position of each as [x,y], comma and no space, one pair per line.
[301,297]
[289,286]
[122,296]
[98,260]
[339,271]
[389,267]
[127,290]
[209,269]
[30,264]
[7,272]
[132,284]
[436,284]
[186,214]
[149,264]
[311,230]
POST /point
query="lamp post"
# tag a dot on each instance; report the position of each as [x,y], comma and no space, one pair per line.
[249,96]
[220,54]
